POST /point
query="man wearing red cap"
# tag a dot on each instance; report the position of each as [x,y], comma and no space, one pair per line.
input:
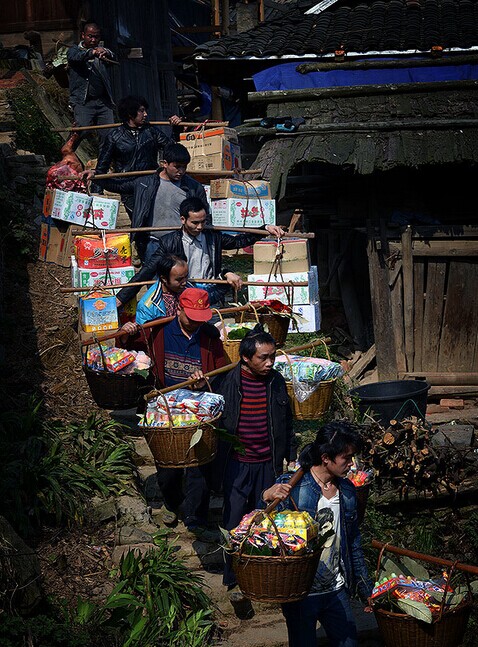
[184,348]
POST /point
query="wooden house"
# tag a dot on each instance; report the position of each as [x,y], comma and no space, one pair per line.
[383,166]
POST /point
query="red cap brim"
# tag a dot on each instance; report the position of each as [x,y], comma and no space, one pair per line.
[198,315]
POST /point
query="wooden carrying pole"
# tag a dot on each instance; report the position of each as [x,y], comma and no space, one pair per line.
[466,568]
[229,367]
[289,284]
[188,124]
[133,230]
[107,176]
[295,478]
[107,60]
[153,323]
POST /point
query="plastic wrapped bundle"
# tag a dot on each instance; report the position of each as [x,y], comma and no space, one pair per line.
[307,369]
[297,530]
[184,407]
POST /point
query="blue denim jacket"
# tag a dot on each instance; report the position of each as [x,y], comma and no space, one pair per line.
[306,495]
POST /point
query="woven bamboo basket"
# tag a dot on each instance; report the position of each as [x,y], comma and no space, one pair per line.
[114,390]
[277,326]
[315,406]
[231,346]
[275,578]
[401,630]
[319,401]
[362,493]
[171,446]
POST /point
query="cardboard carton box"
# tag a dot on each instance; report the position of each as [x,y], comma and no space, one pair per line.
[92,253]
[312,314]
[105,212]
[223,188]
[207,190]
[98,312]
[57,243]
[214,154]
[243,213]
[295,255]
[91,278]
[207,133]
[72,207]
[48,201]
[85,210]
[299,295]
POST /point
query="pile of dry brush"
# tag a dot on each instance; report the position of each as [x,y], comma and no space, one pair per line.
[407,455]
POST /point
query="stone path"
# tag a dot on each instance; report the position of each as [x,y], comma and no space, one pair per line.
[267,627]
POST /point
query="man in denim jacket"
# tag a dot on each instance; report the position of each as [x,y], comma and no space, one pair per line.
[327,495]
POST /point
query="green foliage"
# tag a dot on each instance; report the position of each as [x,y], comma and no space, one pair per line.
[17,232]
[33,132]
[51,470]
[157,600]
[471,531]
[427,535]
[41,631]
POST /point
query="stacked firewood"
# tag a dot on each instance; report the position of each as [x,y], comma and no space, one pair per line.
[404,456]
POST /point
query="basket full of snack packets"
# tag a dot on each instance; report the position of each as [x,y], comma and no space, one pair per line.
[179,427]
[416,609]
[117,378]
[275,555]
[310,382]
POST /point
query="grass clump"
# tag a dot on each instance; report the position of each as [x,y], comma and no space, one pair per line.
[52,469]
[33,132]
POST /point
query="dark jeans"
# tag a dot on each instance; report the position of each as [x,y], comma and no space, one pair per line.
[93,113]
[243,486]
[196,492]
[334,613]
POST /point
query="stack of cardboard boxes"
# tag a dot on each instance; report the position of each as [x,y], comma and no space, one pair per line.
[212,149]
[61,210]
[238,203]
[293,266]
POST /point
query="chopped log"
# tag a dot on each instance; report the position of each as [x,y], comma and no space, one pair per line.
[452,404]
[362,363]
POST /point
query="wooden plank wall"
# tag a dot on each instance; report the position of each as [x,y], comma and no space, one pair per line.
[433,307]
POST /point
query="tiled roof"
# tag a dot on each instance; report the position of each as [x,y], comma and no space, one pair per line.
[362,27]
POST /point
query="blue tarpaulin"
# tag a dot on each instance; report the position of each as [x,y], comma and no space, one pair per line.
[285,76]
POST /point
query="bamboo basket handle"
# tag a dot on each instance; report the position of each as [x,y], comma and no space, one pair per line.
[266,512]
[292,378]
[254,309]
[223,323]
[168,411]
[466,568]
[326,349]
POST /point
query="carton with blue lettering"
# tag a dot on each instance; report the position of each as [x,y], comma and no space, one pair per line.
[256,189]
[98,312]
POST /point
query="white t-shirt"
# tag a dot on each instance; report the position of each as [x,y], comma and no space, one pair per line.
[328,576]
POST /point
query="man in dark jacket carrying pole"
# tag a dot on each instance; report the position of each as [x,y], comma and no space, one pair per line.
[187,347]
[135,145]
[91,96]
[200,247]
[156,198]
[257,412]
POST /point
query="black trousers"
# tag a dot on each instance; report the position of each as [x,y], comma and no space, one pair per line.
[243,487]
[195,494]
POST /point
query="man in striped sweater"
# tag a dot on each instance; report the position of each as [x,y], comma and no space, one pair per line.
[258,412]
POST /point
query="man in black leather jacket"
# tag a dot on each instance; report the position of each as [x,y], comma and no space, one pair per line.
[145,192]
[258,413]
[135,145]
[91,96]
[192,212]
